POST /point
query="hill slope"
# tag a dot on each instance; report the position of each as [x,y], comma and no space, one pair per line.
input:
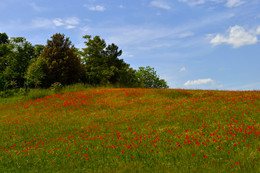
[133,130]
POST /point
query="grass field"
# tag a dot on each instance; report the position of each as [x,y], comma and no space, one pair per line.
[132,130]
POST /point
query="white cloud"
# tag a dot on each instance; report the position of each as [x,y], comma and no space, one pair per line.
[160,4]
[70,26]
[228,3]
[237,37]
[72,21]
[69,23]
[199,82]
[234,3]
[199,2]
[121,6]
[258,30]
[58,22]
[183,69]
[149,37]
[96,8]
[193,2]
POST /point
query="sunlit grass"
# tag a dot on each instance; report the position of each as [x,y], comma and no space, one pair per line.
[132,130]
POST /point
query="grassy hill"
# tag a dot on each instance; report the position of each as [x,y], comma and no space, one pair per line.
[132,130]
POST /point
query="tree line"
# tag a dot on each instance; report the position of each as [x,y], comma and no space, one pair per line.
[23,65]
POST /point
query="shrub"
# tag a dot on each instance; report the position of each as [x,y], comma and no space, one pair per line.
[57,86]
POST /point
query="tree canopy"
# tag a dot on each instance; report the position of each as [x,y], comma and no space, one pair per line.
[15,56]
[63,63]
[103,66]
[150,79]
[23,64]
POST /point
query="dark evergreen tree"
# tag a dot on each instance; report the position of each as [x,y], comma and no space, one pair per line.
[63,63]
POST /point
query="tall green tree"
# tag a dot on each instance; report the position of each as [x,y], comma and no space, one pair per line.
[147,75]
[37,72]
[63,63]
[103,65]
[4,38]
[5,49]
[38,49]
[15,59]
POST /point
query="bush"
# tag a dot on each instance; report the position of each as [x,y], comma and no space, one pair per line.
[57,86]
[21,92]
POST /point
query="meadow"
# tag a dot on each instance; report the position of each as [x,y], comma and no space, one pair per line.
[132,130]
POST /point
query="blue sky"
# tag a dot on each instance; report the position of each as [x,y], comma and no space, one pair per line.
[192,44]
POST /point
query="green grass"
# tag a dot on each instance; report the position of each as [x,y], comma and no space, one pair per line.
[131,130]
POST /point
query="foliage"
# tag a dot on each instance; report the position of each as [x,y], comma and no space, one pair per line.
[15,59]
[57,86]
[103,67]
[36,72]
[148,76]
[5,50]
[4,38]
[38,49]
[63,63]
[23,65]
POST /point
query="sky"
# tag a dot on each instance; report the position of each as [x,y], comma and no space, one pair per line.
[192,44]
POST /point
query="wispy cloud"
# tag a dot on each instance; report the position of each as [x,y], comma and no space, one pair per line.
[234,3]
[58,22]
[68,23]
[72,21]
[42,23]
[228,3]
[160,4]
[199,82]
[186,34]
[156,36]
[84,29]
[199,2]
[70,26]
[95,7]
[183,69]
[258,30]
[35,7]
[251,86]
[127,55]
[237,37]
